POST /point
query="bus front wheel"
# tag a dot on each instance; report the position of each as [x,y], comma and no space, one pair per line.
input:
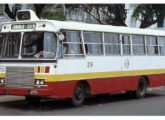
[141,89]
[78,95]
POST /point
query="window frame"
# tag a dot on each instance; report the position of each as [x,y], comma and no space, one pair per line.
[76,43]
[39,59]
[157,45]
[130,48]
[104,44]
[144,41]
[101,44]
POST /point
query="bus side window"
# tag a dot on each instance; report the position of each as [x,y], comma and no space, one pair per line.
[138,44]
[112,44]
[126,45]
[72,45]
[1,44]
[152,45]
[162,45]
[93,43]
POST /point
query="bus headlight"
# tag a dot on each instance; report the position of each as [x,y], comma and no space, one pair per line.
[2,80]
[40,82]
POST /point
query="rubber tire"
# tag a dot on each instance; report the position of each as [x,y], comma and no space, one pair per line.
[78,100]
[142,88]
[32,100]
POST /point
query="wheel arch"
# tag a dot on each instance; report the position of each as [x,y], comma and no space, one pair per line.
[87,86]
[147,80]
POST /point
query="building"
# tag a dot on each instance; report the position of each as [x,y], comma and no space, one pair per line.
[75,15]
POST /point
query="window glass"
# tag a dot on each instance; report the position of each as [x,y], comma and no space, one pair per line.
[162,45]
[93,43]
[111,38]
[72,45]
[92,37]
[11,45]
[1,44]
[126,45]
[151,43]
[112,45]
[39,45]
[138,45]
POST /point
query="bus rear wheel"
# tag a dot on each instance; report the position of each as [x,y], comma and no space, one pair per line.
[78,95]
[32,100]
[142,88]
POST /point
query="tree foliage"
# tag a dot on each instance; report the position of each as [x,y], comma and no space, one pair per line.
[42,11]
[55,15]
[53,12]
[115,14]
[150,14]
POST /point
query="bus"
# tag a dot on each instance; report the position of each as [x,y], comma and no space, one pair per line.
[42,59]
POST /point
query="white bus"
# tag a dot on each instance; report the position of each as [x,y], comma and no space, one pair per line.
[55,59]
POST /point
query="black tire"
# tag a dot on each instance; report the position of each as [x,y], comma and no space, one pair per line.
[32,100]
[78,95]
[142,88]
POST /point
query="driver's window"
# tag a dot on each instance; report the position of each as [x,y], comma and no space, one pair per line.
[39,45]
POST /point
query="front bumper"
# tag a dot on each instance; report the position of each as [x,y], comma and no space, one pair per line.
[24,91]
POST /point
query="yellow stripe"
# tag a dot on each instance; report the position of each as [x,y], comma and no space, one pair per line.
[2,75]
[42,69]
[53,78]
[103,74]
[36,69]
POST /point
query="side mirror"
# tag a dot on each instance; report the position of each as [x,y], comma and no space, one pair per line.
[61,37]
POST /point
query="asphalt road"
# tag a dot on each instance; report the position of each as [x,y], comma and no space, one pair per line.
[116,104]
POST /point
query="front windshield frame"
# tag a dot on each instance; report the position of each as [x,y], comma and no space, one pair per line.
[38,58]
[21,59]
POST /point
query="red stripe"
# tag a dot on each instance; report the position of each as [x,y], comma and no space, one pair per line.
[47,69]
[39,68]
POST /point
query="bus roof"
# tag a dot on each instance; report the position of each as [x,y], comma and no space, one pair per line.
[26,17]
[106,28]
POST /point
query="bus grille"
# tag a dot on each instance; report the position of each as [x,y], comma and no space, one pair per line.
[20,77]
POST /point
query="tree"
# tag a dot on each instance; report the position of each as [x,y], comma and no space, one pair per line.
[150,14]
[115,14]
[39,8]
[46,11]
[12,14]
[54,12]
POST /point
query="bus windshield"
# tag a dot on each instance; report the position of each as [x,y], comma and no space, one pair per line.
[10,45]
[39,45]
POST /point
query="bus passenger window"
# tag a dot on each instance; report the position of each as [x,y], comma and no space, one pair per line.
[93,43]
[112,44]
[152,45]
[72,45]
[162,45]
[1,44]
[138,44]
[126,45]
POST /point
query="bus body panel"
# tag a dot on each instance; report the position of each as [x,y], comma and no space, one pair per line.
[117,75]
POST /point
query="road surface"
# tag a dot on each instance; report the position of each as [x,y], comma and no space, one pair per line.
[115,104]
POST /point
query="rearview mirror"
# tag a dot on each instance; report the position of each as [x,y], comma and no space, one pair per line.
[61,37]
